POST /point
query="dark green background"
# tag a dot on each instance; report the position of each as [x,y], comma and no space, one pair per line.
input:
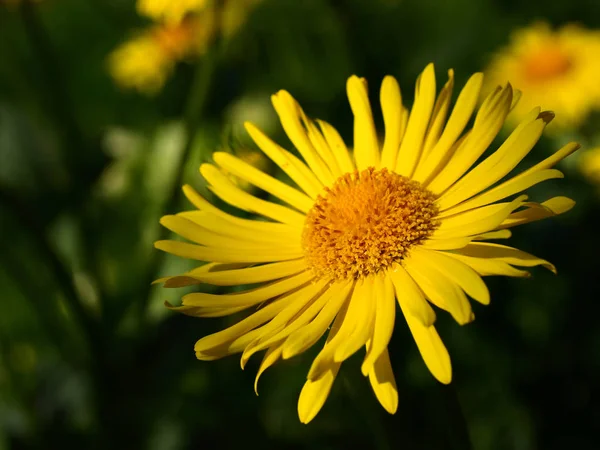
[89,357]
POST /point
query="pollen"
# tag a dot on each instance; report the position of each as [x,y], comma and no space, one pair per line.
[365,223]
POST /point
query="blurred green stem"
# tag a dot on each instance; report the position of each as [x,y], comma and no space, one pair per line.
[58,102]
[58,271]
[199,94]
[457,429]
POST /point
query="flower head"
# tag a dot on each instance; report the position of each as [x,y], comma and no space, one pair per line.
[555,69]
[170,11]
[405,221]
[145,62]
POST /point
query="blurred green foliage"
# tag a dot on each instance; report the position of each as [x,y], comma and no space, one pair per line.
[89,356]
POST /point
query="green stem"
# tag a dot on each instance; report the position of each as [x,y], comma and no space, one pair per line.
[199,93]
[58,271]
[457,429]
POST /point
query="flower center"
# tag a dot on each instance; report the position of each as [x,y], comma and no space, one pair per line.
[546,63]
[366,222]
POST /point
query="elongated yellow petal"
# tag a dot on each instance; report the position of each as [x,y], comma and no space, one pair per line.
[227,255]
[510,255]
[506,189]
[391,107]
[249,275]
[383,382]
[538,211]
[440,154]
[495,166]
[438,117]
[200,235]
[320,144]
[446,244]
[267,183]
[228,192]
[500,234]
[291,165]
[488,122]
[431,347]
[366,146]
[360,319]
[412,142]
[337,146]
[477,221]
[315,392]
[410,296]
[251,296]
[271,357]
[385,316]
[300,340]
[487,267]
[439,290]
[456,272]
[289,113]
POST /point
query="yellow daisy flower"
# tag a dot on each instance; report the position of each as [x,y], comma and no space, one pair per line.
[145,62]
[558,70]
[407,220]
[170,11]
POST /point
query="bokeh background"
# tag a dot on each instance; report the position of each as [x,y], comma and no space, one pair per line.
[93,150]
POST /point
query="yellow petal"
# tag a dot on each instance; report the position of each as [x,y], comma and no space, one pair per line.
[383,382]
[322,147]
[315,392]
[440,290]
[440,154]
[438,117]
[432,349]
[267,183]
[228,192]
[446,244]
[248,275]
[487,267]
[489,120]
[410,296]
[391,107]
[477,221]
[337,146]
[366,146]
[300,340]
[385,316]
[506,189]
[226,255]
[510,255]
[291,165]
[538,211]
[412,142]
[271,357]
[456,272]
[289,113]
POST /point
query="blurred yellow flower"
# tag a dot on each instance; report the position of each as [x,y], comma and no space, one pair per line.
[256,159]
[170,11]
[145,62]
[406,221]
[558,70]
[589,165]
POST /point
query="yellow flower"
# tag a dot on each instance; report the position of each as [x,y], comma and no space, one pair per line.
[406,221]
[589,165]
[145,62]
[558,70]
[170,11]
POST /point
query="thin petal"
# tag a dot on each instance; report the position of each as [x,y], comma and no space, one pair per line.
[315,393]
[538,211]
[337,146]
[488,267]
[271,357]
[438,117]
[391,107]
[366,146]
[291,165]
[383,382]
[267,183]
[412,142]
[385,316]
[510,255]
[440,290]
[230,193]
[410,296]
[457,272]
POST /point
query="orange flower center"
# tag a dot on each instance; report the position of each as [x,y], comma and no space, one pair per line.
[366,222]
[546,63]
